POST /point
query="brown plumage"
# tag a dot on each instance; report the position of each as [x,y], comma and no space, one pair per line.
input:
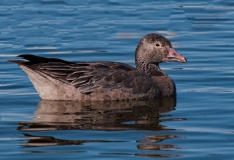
[57,79]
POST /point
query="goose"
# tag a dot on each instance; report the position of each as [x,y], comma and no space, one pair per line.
[57,79]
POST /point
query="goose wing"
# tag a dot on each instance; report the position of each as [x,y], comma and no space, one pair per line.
[87,76]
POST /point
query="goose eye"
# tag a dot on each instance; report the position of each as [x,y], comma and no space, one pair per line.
[157,44]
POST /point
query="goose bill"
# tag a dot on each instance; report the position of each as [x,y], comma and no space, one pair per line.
[174,56]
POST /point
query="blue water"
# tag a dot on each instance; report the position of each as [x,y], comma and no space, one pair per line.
[198,124]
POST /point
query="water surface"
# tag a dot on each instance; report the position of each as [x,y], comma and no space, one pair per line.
[196,124]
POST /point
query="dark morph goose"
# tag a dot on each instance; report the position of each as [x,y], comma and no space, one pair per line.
[56,79]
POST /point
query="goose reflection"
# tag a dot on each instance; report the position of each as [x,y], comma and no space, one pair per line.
[108,116]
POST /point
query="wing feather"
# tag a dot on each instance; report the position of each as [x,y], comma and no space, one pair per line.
[88,76]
